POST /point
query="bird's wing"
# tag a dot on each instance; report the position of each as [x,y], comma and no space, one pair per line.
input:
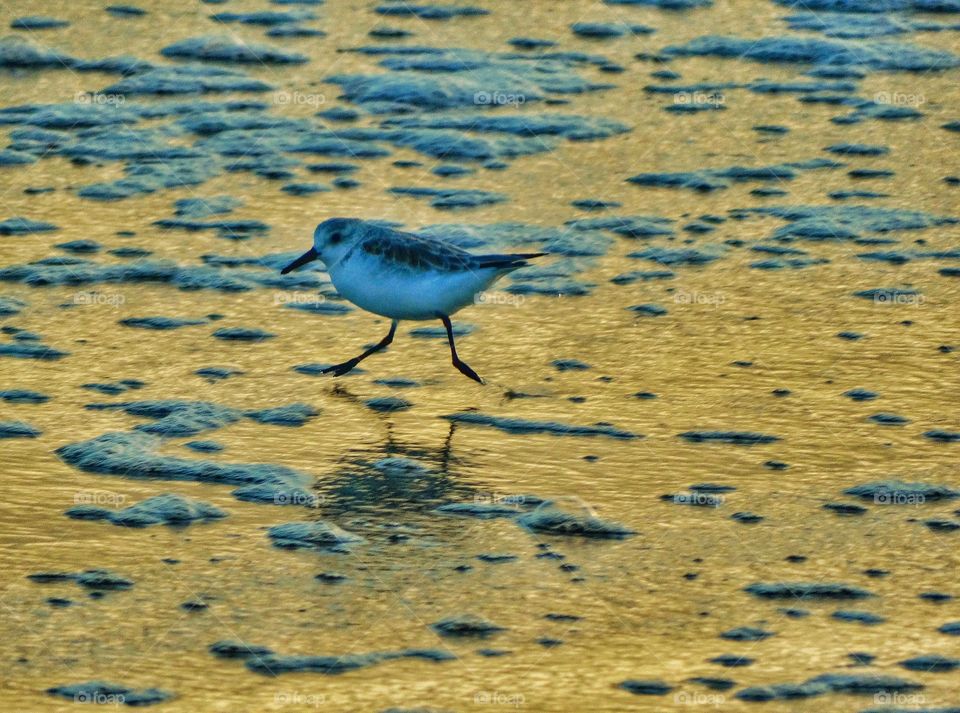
[418,253]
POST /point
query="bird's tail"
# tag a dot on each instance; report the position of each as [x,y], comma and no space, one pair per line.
[507,262]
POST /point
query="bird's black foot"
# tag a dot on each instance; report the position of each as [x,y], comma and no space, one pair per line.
[340,369]
[462,367]
[465,369]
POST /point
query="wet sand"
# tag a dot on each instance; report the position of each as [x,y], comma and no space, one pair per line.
[738,301]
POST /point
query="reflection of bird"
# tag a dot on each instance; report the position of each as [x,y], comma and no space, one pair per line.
[395,475]
[403,276]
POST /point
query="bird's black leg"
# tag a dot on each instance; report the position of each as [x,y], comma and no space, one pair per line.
[462,367]
[341,369]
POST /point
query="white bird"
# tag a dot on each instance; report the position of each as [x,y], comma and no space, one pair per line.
[403,276]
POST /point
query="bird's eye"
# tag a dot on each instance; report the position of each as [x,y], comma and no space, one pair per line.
[335,238]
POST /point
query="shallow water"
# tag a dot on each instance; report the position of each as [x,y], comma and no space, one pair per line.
[651,606]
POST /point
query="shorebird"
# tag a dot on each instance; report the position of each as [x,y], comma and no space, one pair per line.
[403,276]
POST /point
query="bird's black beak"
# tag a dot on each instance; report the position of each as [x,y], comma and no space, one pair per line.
[308,256]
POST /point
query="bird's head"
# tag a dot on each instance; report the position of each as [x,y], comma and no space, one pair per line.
[331,241]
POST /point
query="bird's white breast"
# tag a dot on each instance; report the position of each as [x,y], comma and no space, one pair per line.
[398,292]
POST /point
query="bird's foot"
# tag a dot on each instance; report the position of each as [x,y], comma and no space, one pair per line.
[465,369]
[339,369]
